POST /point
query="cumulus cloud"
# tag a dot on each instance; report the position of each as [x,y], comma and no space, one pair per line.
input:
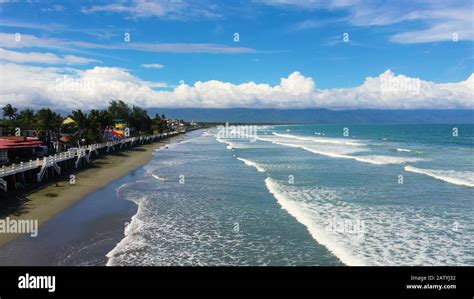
[69,88]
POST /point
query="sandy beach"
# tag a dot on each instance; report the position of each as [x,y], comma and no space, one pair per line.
[45,203]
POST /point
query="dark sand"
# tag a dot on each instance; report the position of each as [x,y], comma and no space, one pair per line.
[81,223]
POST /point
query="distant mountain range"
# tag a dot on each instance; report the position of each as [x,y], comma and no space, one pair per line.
[323,116]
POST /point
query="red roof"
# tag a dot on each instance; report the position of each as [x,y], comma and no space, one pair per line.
[12,142]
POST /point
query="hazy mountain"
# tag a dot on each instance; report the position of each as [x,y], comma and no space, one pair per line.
[323,116]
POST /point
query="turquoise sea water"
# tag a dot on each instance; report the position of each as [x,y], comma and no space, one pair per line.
[306,195]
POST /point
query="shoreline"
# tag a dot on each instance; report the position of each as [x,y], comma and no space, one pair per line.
[47,202]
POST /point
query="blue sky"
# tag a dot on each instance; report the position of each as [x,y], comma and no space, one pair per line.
[194,40]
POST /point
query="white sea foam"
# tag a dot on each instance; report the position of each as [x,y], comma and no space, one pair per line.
[389,237]
[157,177]
[230,145]
[383,160]
[253,164]
[393,236]
[372,159]
[133,228]
[319,139]
[403,150]
[463,178]
[303,216]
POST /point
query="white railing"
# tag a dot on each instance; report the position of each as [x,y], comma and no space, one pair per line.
[74,153]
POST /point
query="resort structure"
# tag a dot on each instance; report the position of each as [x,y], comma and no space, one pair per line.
[38,145]
[15,176]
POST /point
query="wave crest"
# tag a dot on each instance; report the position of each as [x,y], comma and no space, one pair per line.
[253,164]
[463,178]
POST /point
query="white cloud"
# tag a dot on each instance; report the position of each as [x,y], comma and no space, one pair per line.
[438,19]
[47,58]
[8,40]
[153,66]
[442,32]
[166,9]
[54,8]
[36,26]
[93,88]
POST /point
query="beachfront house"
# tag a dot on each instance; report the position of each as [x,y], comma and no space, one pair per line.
[69,121]
[3,155]
[15,149]
[120,128]
[172,123]
[118,131]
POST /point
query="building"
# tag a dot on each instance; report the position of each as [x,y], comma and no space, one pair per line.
[118,131]
[172,123]
[69,121]
[119,128]
[15,149]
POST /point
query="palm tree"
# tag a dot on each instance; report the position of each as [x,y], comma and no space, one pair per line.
[80,118]
[119,110]
[140,120]
[9,111]
[48,123]
[158,124]
[26,117]
[82,124]
[105,119]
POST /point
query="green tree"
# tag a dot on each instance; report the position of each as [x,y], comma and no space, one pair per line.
[9,111]
[80,118]
[139,120]
[26,117]
[86,127]
[119,110]
[105,120]
[48,124]
[158,124]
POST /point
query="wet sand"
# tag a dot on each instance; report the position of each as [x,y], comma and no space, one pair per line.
[51,200]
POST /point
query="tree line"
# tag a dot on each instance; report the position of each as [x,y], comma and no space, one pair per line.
[88,127]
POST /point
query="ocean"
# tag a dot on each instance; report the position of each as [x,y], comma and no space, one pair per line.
[306,195]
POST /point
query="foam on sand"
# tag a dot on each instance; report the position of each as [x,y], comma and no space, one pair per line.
[462,178]
[253,164]
[131,232]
